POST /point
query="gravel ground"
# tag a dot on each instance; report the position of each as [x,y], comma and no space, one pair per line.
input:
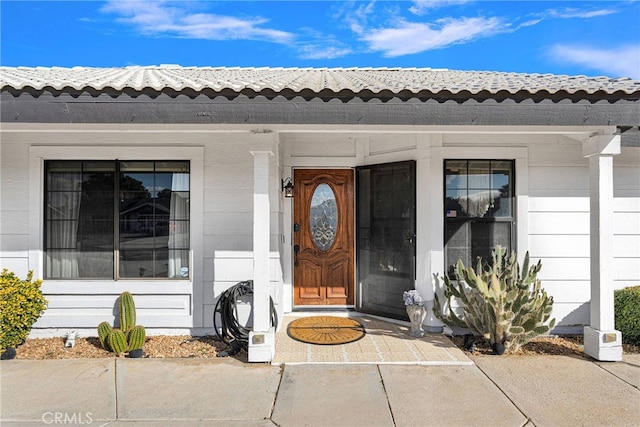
[163,346]
[546,345]
[208,347]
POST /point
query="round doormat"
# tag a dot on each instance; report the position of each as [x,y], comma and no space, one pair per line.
[325,330]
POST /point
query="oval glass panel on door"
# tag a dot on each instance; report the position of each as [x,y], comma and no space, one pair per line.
[323,237]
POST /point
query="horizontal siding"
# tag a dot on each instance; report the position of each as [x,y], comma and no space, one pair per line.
[571,179]
[88,311]
[565,204]
[228,269]
[578,246]
[559,228]
[566,223]
[227,200]
[626,223]
[13,221]
[559,246]
[20,266]
[144,303]
[14,245]
[14,206]
[627,269]
[567,291]
[571,314]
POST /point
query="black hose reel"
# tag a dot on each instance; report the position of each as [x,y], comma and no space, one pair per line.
[231,331]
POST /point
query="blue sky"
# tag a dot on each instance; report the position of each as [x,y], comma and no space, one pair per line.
[561,37]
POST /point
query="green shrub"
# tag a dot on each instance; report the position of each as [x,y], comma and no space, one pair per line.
[627,314]
[501,302]
[21,304]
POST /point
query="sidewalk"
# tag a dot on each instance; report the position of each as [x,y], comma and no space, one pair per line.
[494,391]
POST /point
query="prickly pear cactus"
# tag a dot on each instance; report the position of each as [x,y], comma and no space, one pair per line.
[501,302]
[127,312]
[136,337]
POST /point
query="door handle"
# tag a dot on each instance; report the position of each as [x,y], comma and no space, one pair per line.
[296,249]
[410,238]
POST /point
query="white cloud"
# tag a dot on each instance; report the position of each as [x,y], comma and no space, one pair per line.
[578,13]
[412,37]
[357,18]
[622,61]
[161,17]
[420,7]
[322,52]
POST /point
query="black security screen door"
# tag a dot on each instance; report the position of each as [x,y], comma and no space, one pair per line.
[385,241]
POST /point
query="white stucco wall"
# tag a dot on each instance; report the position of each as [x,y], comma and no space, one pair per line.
[551,178]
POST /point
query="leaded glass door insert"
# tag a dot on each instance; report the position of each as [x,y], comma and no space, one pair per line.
[324,217]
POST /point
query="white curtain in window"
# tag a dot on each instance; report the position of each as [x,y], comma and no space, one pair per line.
[179,226]
[478,204]
[64,206]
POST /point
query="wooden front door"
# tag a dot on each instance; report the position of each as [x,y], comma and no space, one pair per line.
[323,239]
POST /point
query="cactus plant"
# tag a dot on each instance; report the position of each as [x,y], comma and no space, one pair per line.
[503,303]
[136,337]
[117,341]
[127,312]
[104,329]
[129,336]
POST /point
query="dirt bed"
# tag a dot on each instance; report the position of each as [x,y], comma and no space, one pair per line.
[548,345]
[209,347]
[164,346]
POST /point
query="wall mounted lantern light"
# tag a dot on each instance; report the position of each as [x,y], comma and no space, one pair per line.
[287,187]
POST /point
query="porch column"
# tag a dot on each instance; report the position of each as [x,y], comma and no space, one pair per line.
[262,338]
[601,340]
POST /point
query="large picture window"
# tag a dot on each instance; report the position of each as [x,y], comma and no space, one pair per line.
[479,209]
[116,219]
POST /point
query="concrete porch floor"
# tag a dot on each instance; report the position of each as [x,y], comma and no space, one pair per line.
[385,342]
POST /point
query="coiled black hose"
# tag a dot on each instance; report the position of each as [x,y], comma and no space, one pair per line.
[231,331]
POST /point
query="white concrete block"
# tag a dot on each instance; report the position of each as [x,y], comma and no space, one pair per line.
[262,346]
[603,345]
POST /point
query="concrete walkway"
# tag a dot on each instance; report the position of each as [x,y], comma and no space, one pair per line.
[494,391]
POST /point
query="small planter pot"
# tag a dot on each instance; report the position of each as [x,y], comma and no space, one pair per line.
[8,354]
[136,354]
[417,314]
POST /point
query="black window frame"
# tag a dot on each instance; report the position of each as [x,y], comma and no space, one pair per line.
[161,224]
[469,221]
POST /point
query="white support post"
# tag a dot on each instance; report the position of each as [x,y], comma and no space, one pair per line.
[262,338]
[601,340]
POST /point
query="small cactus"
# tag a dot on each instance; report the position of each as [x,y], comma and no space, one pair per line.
[117,341]
[127,312]
[129,336]
[104,329]
[136,337]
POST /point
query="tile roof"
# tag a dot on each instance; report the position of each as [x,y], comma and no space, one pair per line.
[297,80]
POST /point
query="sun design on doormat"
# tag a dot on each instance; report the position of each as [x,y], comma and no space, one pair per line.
[325,330]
